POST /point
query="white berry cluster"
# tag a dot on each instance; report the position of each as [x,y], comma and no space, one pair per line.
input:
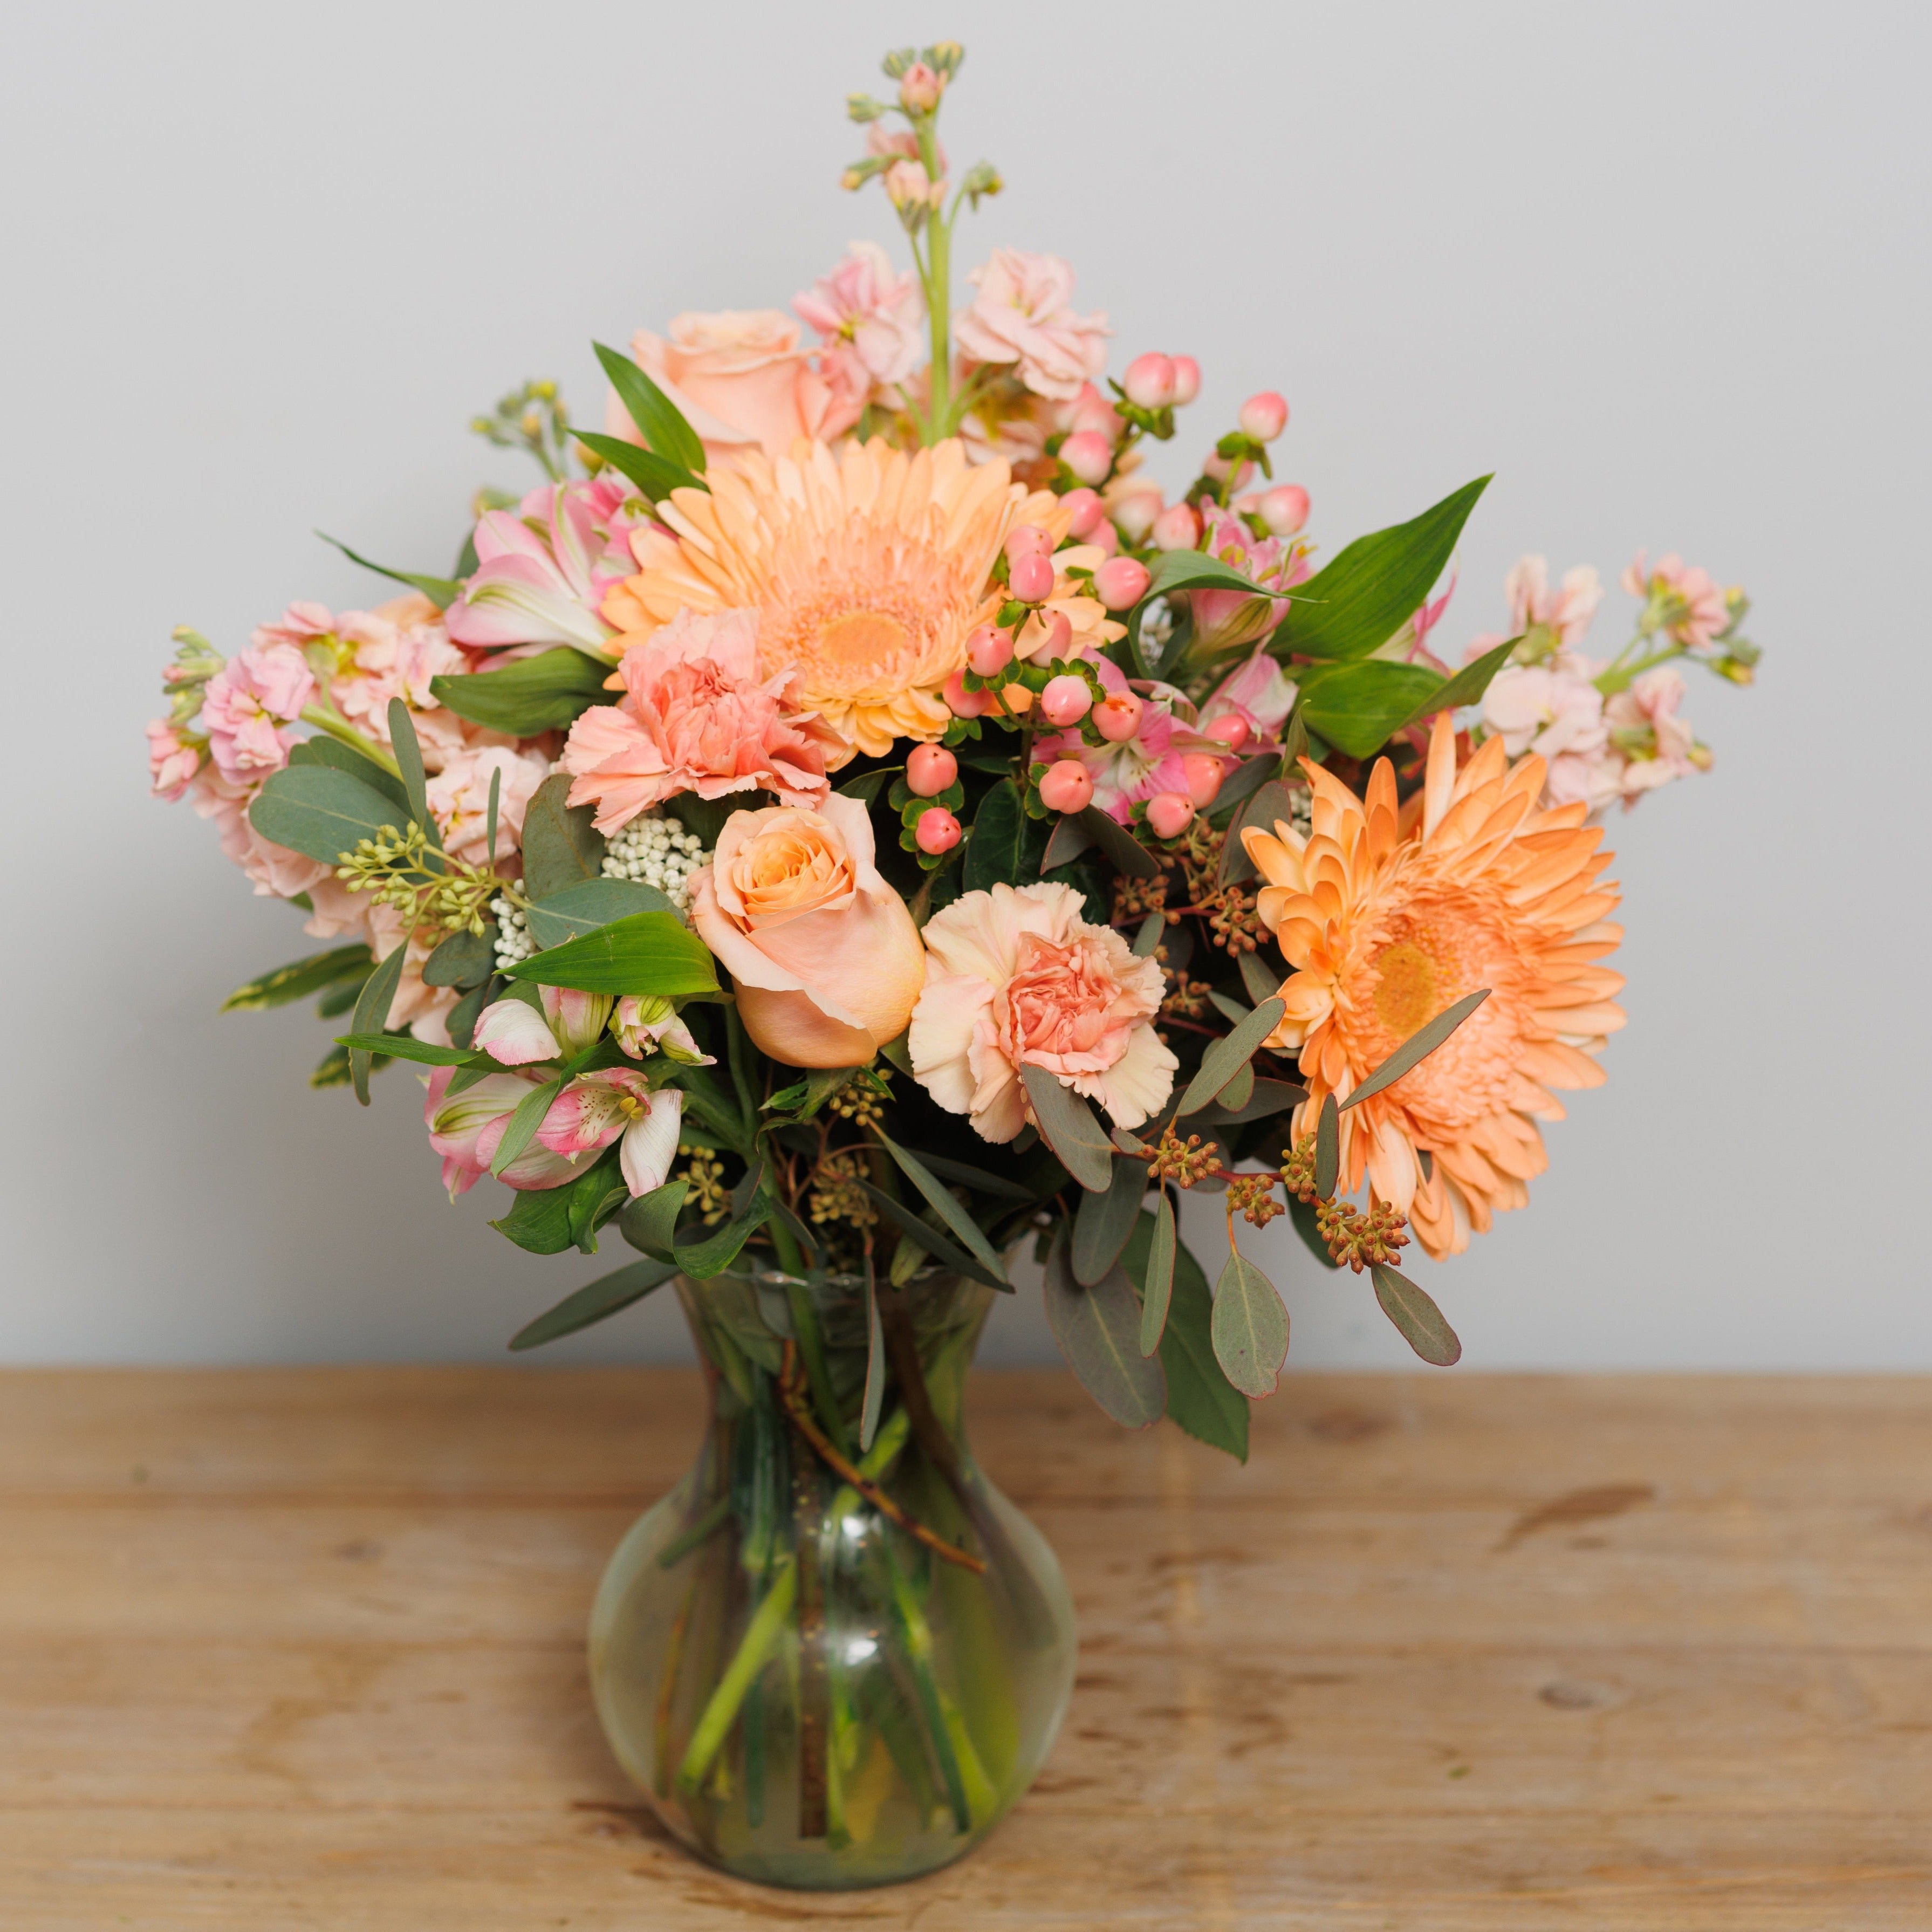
[513,933]
[653,850]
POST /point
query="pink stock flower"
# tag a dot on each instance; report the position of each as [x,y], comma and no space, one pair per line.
[247,706]
[301,625]
[542,572]
[467,1129]
[1685,601]
[1224,620]
[1657,746]
[1553,711]
[1020,315]
[172,762]
[696,717]
[1017,978]
[741,378]
[597,1109]
[277,872]
[1567,610]
[459,795]
[871,320]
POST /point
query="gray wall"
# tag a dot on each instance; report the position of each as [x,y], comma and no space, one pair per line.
[1663,268]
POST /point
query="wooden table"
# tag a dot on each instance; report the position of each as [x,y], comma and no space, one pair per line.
[304,1648]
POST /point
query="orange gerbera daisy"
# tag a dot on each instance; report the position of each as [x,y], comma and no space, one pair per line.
[867,567]
[1386,928]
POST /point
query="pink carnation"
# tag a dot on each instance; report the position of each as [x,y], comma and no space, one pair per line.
[1020,315]
[695,718]
[247,706]
[171,761]
[871,320]
[1017,978]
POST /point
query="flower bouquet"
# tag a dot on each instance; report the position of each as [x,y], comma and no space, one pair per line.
[848,822]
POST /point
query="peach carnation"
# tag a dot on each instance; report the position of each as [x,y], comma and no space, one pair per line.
[1385,931]
[1014,977]
[694,717]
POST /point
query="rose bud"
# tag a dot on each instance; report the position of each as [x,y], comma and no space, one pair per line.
[1231,728]
[1118,717]
[1177,528]
[1088,455]
[1087,512]
[962,703]
[1284,509]
[1065,700]
[1205,774]
[1149,382]
[930,769]
[1121,582]
[1066,786]
[989,651]
[1027,540]
[1031,580]
[937,831]
[1186,380]
[1264,416]
[1168,813]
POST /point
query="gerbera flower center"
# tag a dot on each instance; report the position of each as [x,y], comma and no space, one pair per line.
[866,641]
[1405,990]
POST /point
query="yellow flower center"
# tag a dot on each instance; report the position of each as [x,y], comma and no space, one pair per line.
[1405,996]
[863,640]
[629,1106]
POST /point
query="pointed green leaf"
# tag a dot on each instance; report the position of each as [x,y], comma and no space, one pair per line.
[1102,1222]
[1236,1095]
[928,1238]
[525,1122]
[441,591]
[1358,707]
[1328,1147]
[1070,838]
[1260,979]
[320,812]
[407,1046]
[1418,1317]
[1419,1045]
[1466,687]
[1196,570]
[1250,1327]
[647,953]
[372,1014]
[873,1399]
[1067,1124]
[548,1220]
[1098,1329]
[548,692]
[658,419]
[943,1205]
[408,749]
[597,1301]
[977,1178]
[1230,1053]
[1157,1289]
[649,1222]
[1372,586]
[587,905]
[297,980]
[495,809]
[657,476]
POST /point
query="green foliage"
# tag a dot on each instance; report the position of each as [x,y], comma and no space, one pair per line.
[547,1220]
[1102,1222]
[548,692]
[1302,1213]
[441,591]
[1004,846]
[1098,1329]
[522,1130]
[648,953]
[320,812]
[322,750]
[1328,1147]
[1418,1318]
[945,1253]
[583,907]
[609,1295]
[654,475]
[1419,1045]
[1467,686]
[1269,806]
[407,1046]
[1249,1328]
[299,979]
[649,1222]
[464,959]
[659,420]
[1229,1054]
[1200,1400]
[372,1013]
[1067,1125]
[1123,850]
[1157,1281]
[1358,706]
[943,1203]
[561,846]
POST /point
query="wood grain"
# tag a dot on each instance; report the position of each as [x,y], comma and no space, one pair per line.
[1453,1654]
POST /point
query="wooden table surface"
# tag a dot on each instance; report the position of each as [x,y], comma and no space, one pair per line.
[305,1648]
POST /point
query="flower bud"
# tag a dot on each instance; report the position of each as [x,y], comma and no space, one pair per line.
[1027,540]
[1264,416]
[1231,728]
[1106,539]
[1118,717]
[1284,509]
[1186,380]
[1065,700]
[1088,455]
[989,651]
[1121,582]
[962,703]
[1087,511]
[919,90]
[1067,786]
[1031,580]
[937,831]
[930,769]
[1205,774]
[1094,411]
[1149,381]
[1135,511]
[1220,469]
[1168,813]
[1177,528]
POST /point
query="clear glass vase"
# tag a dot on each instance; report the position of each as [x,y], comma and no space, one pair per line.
[827,1665]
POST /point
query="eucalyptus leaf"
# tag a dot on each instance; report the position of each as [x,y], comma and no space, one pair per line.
[323,750]
[1098,1329]
[1419,1045]
[1146,941]
[1067,1124]
[1250,1327]
[1302,1213]
[1157,1285]
[1260,979]
[1268,1097]
[1418,1318]
[464,959]
[408,749]
[297,979]
[561,846]
[1070,838]
[1231,1010]
[596,1302]
[1200,1399]
[943,1203]
[441,591]
[1328,1147]
[1229,1054]
[653,953]
[548,692]
[590,904]
[1123,851]
[1102,1222]
[1236,1095]
[372,1014]
[1241,785]
[1003,848]
[321,812]
[658,419]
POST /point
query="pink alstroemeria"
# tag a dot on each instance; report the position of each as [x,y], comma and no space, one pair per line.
[543,570]
[1225,620]
[1126,774]
[596,1109]
[467,1129]
[248,705]
[646,1025]
[1259,693]
[514,1033]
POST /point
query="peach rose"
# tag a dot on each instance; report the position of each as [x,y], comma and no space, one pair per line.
[826,960]
[742,380]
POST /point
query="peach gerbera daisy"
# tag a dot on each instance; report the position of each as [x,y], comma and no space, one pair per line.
[867,568]
[1386,928]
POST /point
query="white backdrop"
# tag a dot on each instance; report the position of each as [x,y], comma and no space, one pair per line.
[1663,268]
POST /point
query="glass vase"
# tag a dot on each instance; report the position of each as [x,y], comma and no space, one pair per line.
[835,1655]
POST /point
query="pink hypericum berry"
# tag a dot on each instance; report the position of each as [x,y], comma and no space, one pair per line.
[1134,514]
[962,703]
[1177,528]
[1027,540]
[1205,774]
[930,769]
[1118,717]
[1031,579]
[1230,728]
[1264,416]
[1094,411]
[1149,382]
[1284,509]
[1067,786]
[1121,582]
[989,651]
[1059,637]
[1168,813]
[1106,539]
[1065,700]
[1220,468]
[1186,380]
[937,830]
[1088,455]
[1087,512]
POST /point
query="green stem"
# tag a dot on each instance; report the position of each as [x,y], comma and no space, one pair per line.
[1620,676]
[760,1639]
[818,1370]
[736,1048]
[338,727]
[701,1531]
